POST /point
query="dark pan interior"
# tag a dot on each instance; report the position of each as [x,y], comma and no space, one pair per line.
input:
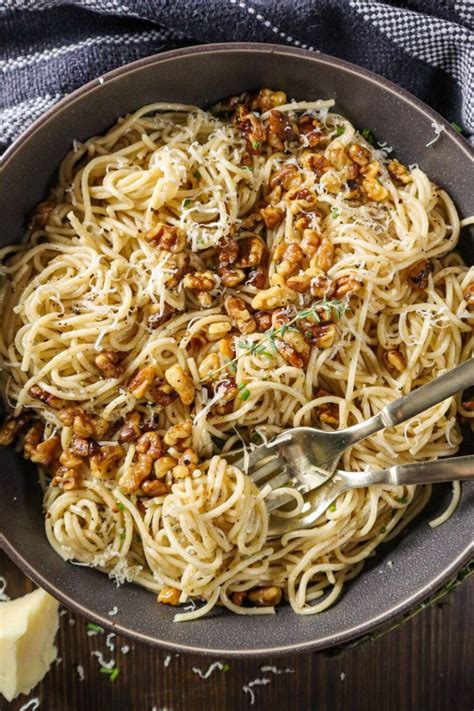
[422,559]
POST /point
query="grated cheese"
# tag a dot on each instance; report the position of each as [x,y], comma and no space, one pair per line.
[125,649]
[210,669]
[3,586]
[109,641]
[32,704]
[438,129]
[113,611]
[167,660]
[247,688]
[80,672]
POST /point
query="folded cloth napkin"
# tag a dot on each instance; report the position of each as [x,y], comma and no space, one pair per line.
[50,47]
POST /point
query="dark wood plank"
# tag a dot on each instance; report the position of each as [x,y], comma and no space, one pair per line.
[426,665]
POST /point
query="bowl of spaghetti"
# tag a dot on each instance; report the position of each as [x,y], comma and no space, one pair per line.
[211,258]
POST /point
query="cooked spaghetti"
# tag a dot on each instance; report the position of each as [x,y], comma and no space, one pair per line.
[198,282]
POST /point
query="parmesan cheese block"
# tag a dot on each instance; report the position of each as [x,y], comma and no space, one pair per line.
[28,627]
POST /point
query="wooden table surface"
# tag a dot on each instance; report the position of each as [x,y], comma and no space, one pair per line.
[425,665]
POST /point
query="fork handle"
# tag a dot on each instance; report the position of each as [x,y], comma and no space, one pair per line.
[437,471]
[417,401]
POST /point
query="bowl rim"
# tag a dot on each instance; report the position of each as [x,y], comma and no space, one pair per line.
[410,600]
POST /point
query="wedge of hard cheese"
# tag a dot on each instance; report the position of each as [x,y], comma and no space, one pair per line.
[28,627]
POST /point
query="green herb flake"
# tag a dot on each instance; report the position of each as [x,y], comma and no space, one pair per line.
[186,203]
[112,672]
[383,530]
[123,535]
[244,393]
[340,130]
[256,145]
[91,627]
[402,500]
[335,214]
[197,175]
[232,366]
[332,508]
[120,506]
[456,126]
[225,667]
[368,135]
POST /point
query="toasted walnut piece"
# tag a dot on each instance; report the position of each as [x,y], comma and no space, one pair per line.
[226,347]
[81,424]
[296,340]
[263,321]
[218,330]
[163,465]
[166,237]
[336,154]
[179,264]
[468,294]
[371,170]
[37,451]
[238,597]
[267,99]
[257,278]
[182,383]
[157,317]
[208,367]
[200,281]
[179,435]
[272,216]
[104,463]
[291,259]
[150,443]
[252,128]
[265,597]
[251,253]
[322,335]
[322,286]
[302,199]
[299,283]
[11,427]
[418,274]
[40,216]
[66,478]
[317,163]
[227,390]
[108,362]
[227,252]
[142,381]
[328,412]
[289,353]
[169,596]
[311,131]
[154,487]
[204,298]
[240,315]
[399,172]
[70,459]
[51,400]
[82,447]
[231,277]
[395,360]
[287,177]
[374,189]
[274,297]
[325,255]
[346,286]
[280,130]
[131,428]
[359,154]
[186,465]
[310,242]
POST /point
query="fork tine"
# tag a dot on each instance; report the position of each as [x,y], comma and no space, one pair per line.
[256,456]
[269,468]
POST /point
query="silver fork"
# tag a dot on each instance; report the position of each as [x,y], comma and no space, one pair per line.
[305,458]
[434,472]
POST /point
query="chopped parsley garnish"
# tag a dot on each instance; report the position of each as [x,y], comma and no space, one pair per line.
[112,673]
[383,530]
[196,174]
[120,506]
[244,391]
[332,508]
[123,535]
[402,500]
[368,135]
[340,130]
[225,667]
[456,126]
[186,203]
[91,627]
[335,213]
[256,145]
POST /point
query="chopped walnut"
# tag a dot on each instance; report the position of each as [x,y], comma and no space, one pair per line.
[280,130]
[200,281]
[82,425]
[311,130]
[359,154]
[186,465]
[179,264]
[163,465]
[40,216]
[66,478]
[240,315]
[104,463]
[395,360]
[272,216]
[263,321]
[322,286]
[228,390]
[291,259]
[238,597]
[346,286]
[70,459]
[274,297]
[300,282]
[267,99]
[208,367]
[290,354]
[310,242]
[317,163]
[167,237]
[325,255]
[302,199]
[468,294]
[227,252]
[48,398]
[157,317]
[252,252]
[83,447]
[374,189]
[226,347]
[109,363]
[179,435]
[287,177]
[252,128]
[399,172]
[150,443]
[231,277]
[131,428]
[328,412]
[11,427]
[321,335]
[142,381]
[37,451]
[169,596]
[218,330]
[154,487]
[182,383]
[257,278]
[418,274]
[265,597]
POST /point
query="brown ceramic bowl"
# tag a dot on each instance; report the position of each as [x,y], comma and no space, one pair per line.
[423,559]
